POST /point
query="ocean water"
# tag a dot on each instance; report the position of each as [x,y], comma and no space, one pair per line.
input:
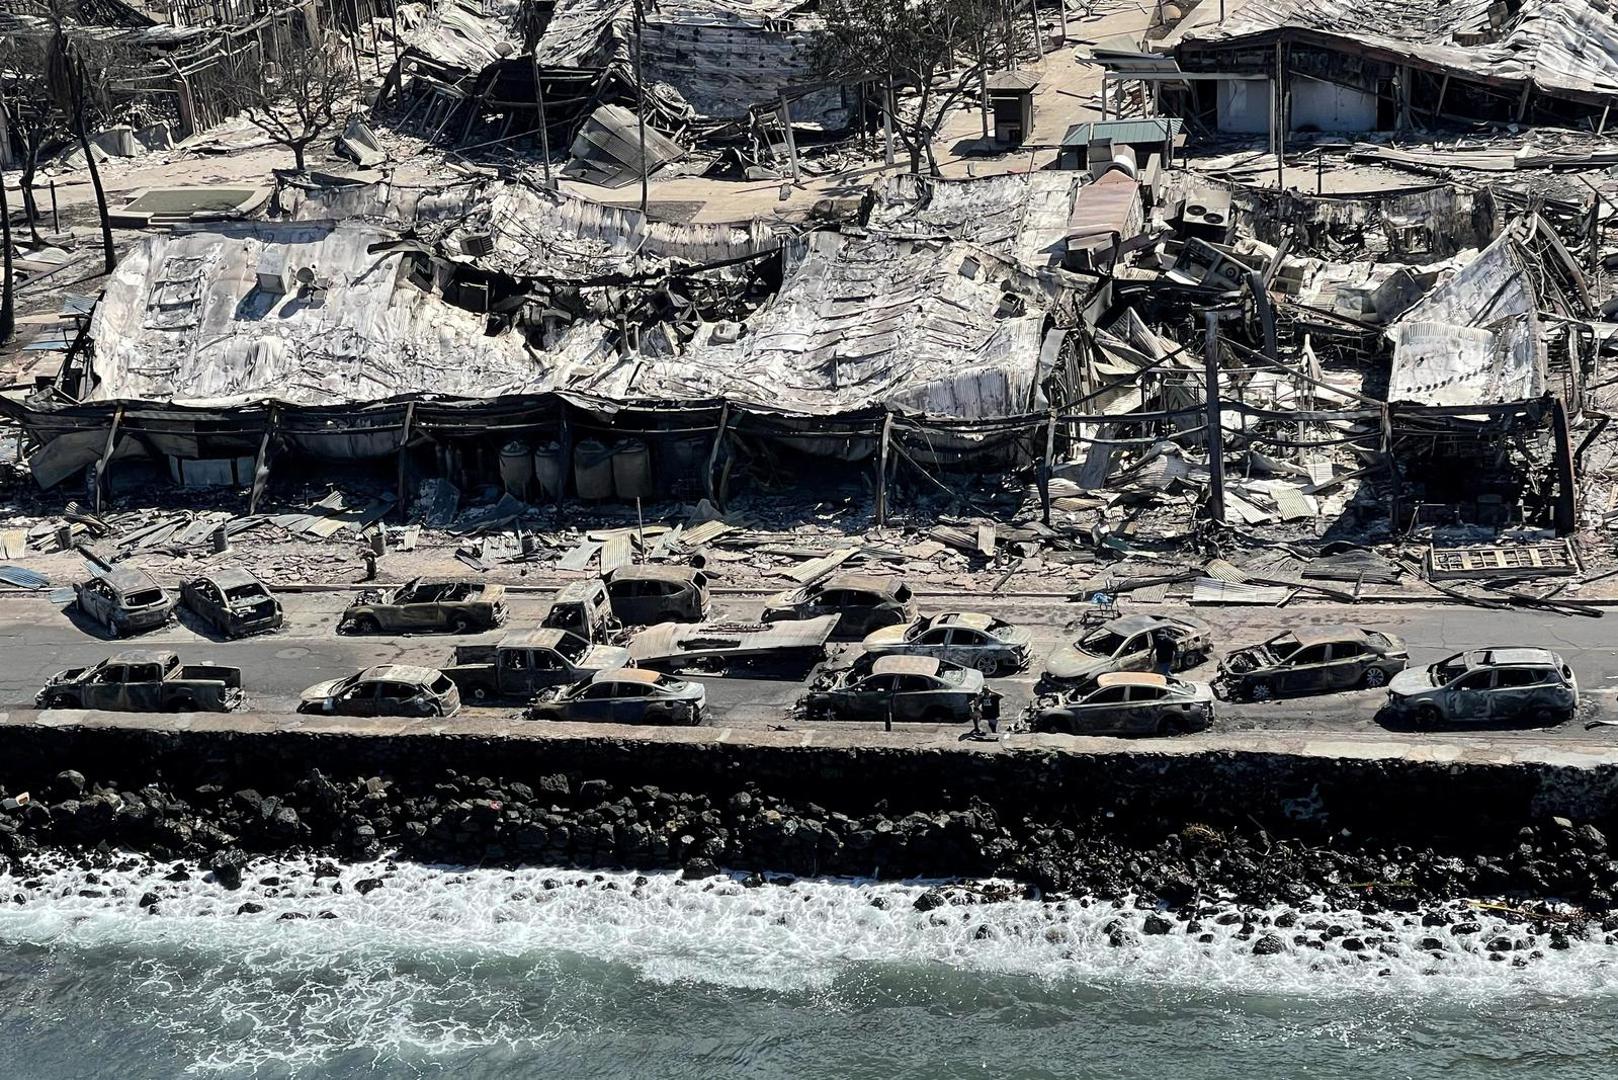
[490,973]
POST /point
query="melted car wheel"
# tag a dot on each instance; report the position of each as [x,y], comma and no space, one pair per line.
[1374,678]
[1260,692]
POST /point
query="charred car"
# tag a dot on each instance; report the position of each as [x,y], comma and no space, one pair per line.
[1487,686]
[144,682]
[967,638]
[1312,660]
[904,689]
[124,601]
[1127,644]
[525,663]
[1126,703]
[233,602]
[861,602]
[583,608]
[419,604]
[625,696]
[385,690]
[644,595]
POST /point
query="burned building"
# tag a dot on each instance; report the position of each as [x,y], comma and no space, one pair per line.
[1388,64]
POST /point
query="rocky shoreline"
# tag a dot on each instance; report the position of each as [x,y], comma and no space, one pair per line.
[1557,877]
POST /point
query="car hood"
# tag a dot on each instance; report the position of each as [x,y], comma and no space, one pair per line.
[1070,663]
[320,690]
[64,676]
[1411,681]
[886,638]
[1016,637]
[604,658]
[972,680]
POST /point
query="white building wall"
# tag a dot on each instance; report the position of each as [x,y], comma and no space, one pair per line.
[1244,105]
[1326,106]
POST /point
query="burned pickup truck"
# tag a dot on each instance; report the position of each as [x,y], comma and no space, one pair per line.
[523,664]
[419,604]
[144,682]
[1311,660]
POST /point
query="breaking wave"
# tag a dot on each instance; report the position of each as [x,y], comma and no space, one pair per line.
[415,963]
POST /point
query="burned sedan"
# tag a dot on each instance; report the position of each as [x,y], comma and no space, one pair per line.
[124,601]
[385,690]
[233,602]
[1127,644]
[460,606]
[1126,703]
[861,602]
[1312,660]
[1487,686]
[904,689]
[624,696]
[962,637]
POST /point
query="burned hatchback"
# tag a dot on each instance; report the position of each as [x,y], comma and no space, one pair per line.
[233,602]
[124,601]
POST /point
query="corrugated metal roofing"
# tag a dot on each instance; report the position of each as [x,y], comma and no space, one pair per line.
[1150,129]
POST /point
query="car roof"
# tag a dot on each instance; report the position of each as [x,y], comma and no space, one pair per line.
[655,572]
[1326,635]
[1519,654]
[124,578]
[1131,678]
[229,577]
[975,620]
[640,675]
[578,591]
[409,673]
[905,665]
[864,582]
[1125,625]
[142,656]
[546,637]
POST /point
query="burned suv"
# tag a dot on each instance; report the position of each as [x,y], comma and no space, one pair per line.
[1487,686]
[461,606]
[1312,660]
[124,601]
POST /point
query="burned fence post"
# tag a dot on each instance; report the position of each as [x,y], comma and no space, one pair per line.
[713,452]
[1046,466]
[106,456]
[1265,311]
[404,451]
[1215,437]
[1567,490]
[882,470]
[261,465]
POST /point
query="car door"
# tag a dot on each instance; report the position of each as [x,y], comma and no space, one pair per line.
[143,687]
[872,698]
[1517,693]
[934,641]
[1467,697]
[95,600]
[357,700]
[1143,709]
[1136,653]
[1306,671]
[1345,664]
[594,702]
[395,698]
[629,601]
[965,646]
[919,697]
[105,690]
[1103,712]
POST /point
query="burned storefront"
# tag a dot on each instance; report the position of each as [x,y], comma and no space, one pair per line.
[1388,65]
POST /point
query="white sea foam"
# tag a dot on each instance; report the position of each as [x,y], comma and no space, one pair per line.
[426,963]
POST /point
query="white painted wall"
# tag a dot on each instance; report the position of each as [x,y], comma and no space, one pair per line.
[1244,105]
[1327,106]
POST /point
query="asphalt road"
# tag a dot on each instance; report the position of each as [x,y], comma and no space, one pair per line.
[37,638]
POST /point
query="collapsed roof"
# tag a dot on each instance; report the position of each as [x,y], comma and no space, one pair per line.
[1021,216]
[942,327]
[301,313]
[1561,47]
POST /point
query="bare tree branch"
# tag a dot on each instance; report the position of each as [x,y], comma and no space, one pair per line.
[294,90]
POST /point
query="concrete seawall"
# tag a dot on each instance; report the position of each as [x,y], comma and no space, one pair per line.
[1407,790]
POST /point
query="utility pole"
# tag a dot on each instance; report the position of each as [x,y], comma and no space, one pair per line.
[640,107]
[1216,435]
